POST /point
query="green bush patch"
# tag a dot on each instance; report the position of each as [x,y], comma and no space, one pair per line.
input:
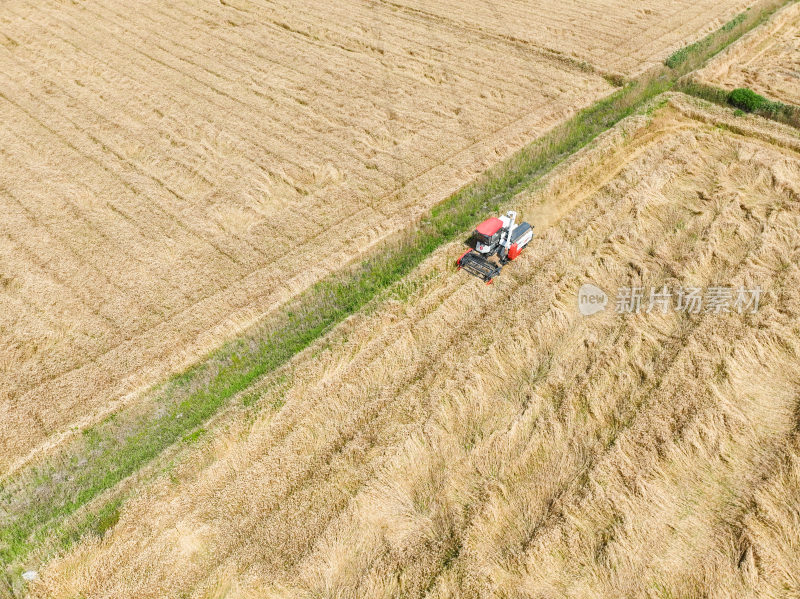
[747,100]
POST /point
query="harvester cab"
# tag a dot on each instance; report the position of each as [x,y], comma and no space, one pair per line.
[495,237]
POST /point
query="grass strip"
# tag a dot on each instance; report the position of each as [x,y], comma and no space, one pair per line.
[693,56]
[36,503]
[704,45]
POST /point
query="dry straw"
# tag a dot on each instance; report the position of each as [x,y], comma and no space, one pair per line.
[517,448]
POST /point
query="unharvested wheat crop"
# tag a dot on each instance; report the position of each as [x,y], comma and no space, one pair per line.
[463,440]
[170,172]
[766,60]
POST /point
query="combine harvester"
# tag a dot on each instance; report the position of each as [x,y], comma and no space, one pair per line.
[500,237]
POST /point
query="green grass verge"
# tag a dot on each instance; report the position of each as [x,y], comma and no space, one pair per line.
[37,506]
[691,57]
[706,45]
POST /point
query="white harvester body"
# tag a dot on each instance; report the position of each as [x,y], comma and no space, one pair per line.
[496,236]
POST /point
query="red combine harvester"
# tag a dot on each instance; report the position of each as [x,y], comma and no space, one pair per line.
[499,237]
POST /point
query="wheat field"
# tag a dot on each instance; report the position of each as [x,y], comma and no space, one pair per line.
[515,448]
[172,173]
[766,60]
[169,173]
[615,36]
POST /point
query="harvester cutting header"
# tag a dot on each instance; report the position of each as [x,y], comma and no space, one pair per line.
[500,237]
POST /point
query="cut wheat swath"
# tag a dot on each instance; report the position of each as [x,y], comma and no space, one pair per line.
[519,447]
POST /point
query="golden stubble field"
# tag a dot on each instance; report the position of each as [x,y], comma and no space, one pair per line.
[616,36]
[171,172]
[473,441]
[766,60]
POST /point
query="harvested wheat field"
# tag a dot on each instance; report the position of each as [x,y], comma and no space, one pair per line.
[470,441]
[166,169]
[615,36]
[766,60]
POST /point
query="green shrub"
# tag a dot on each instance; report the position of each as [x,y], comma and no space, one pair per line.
[747,100]
[677,57]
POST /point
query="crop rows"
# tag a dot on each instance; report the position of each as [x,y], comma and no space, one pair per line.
[766,60]
[171,172]
[516,447]
[616,36]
